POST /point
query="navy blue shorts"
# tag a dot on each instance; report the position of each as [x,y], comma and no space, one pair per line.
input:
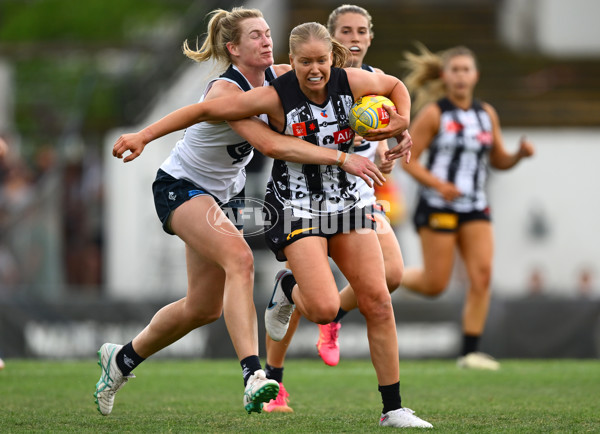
[169,193]
[445,219]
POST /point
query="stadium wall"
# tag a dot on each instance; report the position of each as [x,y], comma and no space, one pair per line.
[537,327]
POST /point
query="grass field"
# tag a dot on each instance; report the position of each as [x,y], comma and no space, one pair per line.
[206,396]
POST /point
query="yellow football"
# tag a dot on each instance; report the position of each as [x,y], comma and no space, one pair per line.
[368,113]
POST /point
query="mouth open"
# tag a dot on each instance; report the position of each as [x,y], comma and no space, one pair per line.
[315,79]
[354,49]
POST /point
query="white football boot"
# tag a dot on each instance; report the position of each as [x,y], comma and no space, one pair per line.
[111,378]
[403,418]
[279,310]
[259,389]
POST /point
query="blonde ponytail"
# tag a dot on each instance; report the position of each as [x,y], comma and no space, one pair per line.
[424,80]
[223,27]
[341,54]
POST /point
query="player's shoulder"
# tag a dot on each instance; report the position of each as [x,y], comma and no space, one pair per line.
[221,88]
[281,69]
[487,107]
[432,108]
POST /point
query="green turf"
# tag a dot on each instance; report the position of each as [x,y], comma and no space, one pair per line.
[206,396]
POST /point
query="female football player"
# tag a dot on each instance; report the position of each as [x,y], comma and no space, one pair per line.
[462,136]
[351,26]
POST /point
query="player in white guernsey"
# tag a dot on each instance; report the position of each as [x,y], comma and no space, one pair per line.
[352,27]
[203,176]
[462,137]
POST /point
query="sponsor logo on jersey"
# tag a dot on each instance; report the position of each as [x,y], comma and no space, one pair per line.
[324,113]
[485,138]
[239,151]
[343,136]
[454,127]
[305,128]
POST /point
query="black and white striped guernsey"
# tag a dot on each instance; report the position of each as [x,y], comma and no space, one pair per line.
[459,153]
[312,190]
[212,155]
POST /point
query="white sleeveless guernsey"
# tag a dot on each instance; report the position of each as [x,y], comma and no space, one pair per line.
[212,155]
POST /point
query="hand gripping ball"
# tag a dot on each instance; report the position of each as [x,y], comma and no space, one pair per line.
[368,113]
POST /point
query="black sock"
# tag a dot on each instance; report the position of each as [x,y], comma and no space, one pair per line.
[390,396]
[287,284]
[470,344]
[250,365]
[274,373]
[340,315]
[128,359]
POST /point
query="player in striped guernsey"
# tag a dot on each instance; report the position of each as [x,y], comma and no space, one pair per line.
[462,136]
[305,244]
[351,26]
[201,180]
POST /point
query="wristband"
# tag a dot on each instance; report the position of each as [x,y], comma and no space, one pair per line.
[341,158]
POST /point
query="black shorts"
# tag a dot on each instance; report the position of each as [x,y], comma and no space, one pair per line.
[281,229]
[444,219]
[169,193]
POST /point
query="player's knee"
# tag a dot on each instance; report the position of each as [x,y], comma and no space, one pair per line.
[481,284]
[482,280]
[393,277]
[323,314]
[436,287]
[376,305]
[241,263]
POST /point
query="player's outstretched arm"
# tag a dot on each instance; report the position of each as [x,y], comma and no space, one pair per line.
[500,158]
[289,148]
[233,107]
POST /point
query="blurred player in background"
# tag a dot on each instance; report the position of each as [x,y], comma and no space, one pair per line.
[198,188]
[352,27]
[462,136]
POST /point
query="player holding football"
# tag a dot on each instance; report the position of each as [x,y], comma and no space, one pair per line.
[204,173]
[352,27]
[462,134]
